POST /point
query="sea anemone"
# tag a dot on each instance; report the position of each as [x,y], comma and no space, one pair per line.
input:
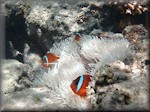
[73,62]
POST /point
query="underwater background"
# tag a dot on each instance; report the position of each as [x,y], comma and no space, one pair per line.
[75,55]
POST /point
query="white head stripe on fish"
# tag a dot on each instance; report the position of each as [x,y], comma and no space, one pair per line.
[80,83]
[45,57]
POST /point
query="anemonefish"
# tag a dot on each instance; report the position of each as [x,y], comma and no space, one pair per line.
[77,38]
[79,85]
[48,59]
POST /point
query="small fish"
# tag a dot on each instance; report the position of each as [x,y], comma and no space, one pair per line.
[79,85]
[77,38]
[48,59]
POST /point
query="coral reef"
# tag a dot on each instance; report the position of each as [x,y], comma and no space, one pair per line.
[132,7]
[74,38]
[113,86]
[64,20]
[59,77]
[12,71]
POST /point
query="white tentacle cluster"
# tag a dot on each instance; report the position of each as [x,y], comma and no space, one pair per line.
[73,61]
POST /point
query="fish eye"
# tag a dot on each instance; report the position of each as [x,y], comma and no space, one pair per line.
[75,82]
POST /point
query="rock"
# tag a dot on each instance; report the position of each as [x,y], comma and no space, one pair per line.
[32,99]
[12,71]
[129,90]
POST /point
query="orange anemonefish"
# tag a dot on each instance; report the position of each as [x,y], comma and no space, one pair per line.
[48,59]
[79,85]
[77,38]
